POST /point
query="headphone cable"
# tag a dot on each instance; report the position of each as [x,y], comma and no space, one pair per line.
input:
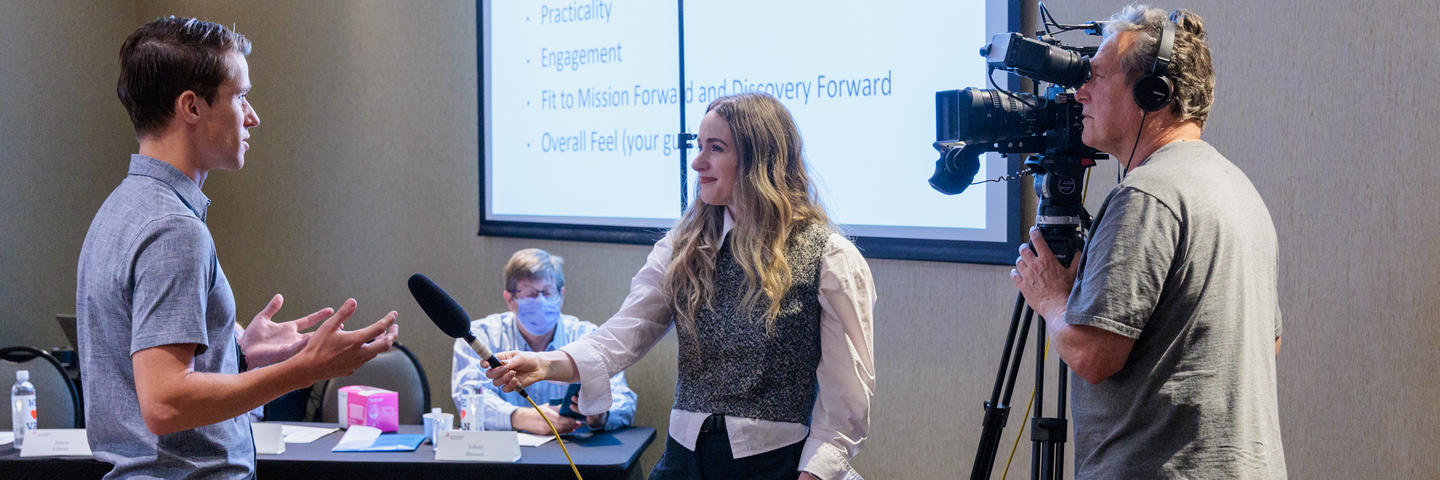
[1126,171]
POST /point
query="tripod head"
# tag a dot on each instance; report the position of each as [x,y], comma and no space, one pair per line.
[1061,216]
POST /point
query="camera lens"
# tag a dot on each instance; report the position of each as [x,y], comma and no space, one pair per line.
[982,115]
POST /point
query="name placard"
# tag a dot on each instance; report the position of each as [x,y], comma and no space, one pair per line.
[478,446]
[52,442]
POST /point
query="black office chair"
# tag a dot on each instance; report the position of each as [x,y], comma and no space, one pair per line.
[396,369]
[291,407]
[56,397]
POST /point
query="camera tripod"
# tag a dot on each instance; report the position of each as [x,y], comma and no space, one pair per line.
[1061,217]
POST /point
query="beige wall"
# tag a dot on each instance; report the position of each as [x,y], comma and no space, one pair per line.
[64,143]
[364,171]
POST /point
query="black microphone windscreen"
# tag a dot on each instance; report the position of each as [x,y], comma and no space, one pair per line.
[440,307]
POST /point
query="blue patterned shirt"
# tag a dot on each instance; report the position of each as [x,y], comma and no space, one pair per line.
[149,276]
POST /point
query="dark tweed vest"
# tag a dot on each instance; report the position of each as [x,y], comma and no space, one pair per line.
[731,366]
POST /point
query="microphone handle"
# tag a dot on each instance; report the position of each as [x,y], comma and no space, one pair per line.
[496,361]
[484,350]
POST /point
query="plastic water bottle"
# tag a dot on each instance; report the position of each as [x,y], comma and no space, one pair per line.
[478,410]
[22,407]
[472,408]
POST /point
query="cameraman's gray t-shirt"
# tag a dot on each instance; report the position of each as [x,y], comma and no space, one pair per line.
[1183,260]
[149,276]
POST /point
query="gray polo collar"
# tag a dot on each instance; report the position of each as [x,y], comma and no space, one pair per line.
[183,186]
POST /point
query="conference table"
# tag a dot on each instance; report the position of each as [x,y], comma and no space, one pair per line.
[609,455]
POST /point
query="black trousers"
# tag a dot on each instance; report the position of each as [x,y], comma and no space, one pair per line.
[712,459]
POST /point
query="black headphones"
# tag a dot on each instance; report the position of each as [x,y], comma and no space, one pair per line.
[1154,90]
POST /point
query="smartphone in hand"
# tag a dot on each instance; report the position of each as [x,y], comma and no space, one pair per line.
[564,402]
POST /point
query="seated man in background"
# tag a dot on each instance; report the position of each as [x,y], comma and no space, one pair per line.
[534,291]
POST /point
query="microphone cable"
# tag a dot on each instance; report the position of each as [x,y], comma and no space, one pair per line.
[556,432]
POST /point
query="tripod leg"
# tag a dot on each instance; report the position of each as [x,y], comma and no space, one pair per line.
[1048,433]
[1064,381]
[1039,452]
[997,410]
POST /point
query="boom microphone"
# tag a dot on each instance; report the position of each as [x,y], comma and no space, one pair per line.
[451,319]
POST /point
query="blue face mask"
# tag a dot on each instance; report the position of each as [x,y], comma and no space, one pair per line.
[538,315]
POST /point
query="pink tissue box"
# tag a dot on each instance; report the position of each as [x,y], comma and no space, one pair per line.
[369,406]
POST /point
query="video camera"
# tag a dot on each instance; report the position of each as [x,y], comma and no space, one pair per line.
[973,121]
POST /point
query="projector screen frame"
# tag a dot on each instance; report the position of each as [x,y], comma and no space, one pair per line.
[960,251]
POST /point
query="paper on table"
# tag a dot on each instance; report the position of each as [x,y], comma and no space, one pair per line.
[357,437]
[6,438]
[533,440]
[303,434]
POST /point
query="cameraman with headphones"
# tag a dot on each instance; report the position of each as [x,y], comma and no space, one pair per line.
[1174,322]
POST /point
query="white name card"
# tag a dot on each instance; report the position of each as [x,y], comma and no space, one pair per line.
[56,442]
[478,446]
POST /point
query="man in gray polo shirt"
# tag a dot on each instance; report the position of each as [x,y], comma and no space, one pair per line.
[164,397]
[1175,322]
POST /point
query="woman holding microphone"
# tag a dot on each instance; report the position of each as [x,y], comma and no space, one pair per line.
[772,307]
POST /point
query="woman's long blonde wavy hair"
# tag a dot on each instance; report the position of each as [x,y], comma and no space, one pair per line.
[772,197]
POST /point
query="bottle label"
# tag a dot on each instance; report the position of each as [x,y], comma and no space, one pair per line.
[25,410]
[470,418]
